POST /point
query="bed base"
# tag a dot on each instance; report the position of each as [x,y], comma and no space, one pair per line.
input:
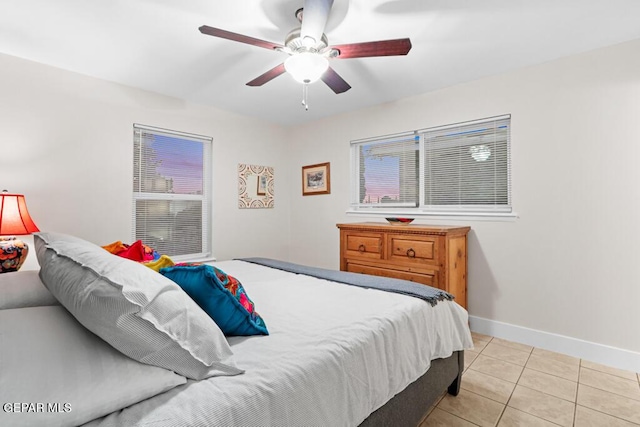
[410,406]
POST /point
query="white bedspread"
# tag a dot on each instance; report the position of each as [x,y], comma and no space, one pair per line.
[335,354]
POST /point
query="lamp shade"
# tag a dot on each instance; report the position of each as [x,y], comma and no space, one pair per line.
[14,216]
[306,67]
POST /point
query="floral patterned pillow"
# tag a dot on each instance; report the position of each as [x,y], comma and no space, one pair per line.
[221,296]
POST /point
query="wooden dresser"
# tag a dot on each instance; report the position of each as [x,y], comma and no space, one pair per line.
[432,255]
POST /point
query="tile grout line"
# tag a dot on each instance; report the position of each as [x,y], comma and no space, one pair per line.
[548,358]
[501,414]
[575,408]
[501,360]
[458,416]
[511,348]
[607,391]
[506,405]
[477,394]
[443,396]
[634,379]
[517,383]
[469,391]
[504,408]
[486,397]
[607,414]
[550,395]
[553,375]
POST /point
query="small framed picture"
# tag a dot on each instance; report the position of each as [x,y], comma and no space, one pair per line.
[316,179]
[262,185]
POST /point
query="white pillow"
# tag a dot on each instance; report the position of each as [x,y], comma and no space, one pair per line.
[138,311]
[24,289]
[57,373]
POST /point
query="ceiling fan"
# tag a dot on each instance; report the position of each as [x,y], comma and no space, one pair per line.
[309,49]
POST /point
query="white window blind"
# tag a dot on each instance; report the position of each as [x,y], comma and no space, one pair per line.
[171,191]
[386,172]
[466,167]
[460,169]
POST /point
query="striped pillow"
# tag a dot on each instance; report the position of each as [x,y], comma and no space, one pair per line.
[138,311]
[49,358]
[24,289]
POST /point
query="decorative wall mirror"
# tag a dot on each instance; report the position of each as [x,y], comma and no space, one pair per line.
[255,187]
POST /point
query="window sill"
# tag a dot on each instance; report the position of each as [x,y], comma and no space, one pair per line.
[202,260]
[449,216]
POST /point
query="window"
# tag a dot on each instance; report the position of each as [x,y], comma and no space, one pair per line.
[455,169]
[171,191]
[387,172]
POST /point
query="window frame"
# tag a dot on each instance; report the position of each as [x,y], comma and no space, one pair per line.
[463,212]
[206,198]
[401,138]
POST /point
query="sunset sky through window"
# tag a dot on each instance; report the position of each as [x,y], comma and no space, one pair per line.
[180,160]
[382,178]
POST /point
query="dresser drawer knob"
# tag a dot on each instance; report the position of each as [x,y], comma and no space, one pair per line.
[361,248]
[411,253]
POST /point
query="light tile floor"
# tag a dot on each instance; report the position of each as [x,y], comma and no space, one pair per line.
[510,384]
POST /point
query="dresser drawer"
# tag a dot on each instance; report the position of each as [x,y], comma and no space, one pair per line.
[414,249]
[432,255]
[424,278]
[364,245]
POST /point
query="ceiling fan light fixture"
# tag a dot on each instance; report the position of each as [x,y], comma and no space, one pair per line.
[306,67]
[308,42]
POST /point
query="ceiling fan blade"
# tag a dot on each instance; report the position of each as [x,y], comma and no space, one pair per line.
[268,76]
[217,32]
[334,81]
[378,48]
[314,18]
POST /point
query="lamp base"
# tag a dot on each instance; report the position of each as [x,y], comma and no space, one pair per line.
[13,253]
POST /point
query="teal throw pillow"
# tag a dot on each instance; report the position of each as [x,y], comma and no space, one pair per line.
[221,296]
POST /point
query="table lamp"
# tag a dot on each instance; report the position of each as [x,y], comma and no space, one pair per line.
[14,220]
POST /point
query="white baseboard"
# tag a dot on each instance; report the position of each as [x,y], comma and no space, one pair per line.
[599,353]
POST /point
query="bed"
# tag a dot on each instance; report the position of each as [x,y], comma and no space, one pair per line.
[335,354]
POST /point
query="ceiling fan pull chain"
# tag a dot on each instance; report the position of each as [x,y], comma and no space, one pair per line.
[305,94]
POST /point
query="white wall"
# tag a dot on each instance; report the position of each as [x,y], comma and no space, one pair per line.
[569,264]
[66,142]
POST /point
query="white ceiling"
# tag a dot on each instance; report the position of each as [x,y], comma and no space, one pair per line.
[155,45]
